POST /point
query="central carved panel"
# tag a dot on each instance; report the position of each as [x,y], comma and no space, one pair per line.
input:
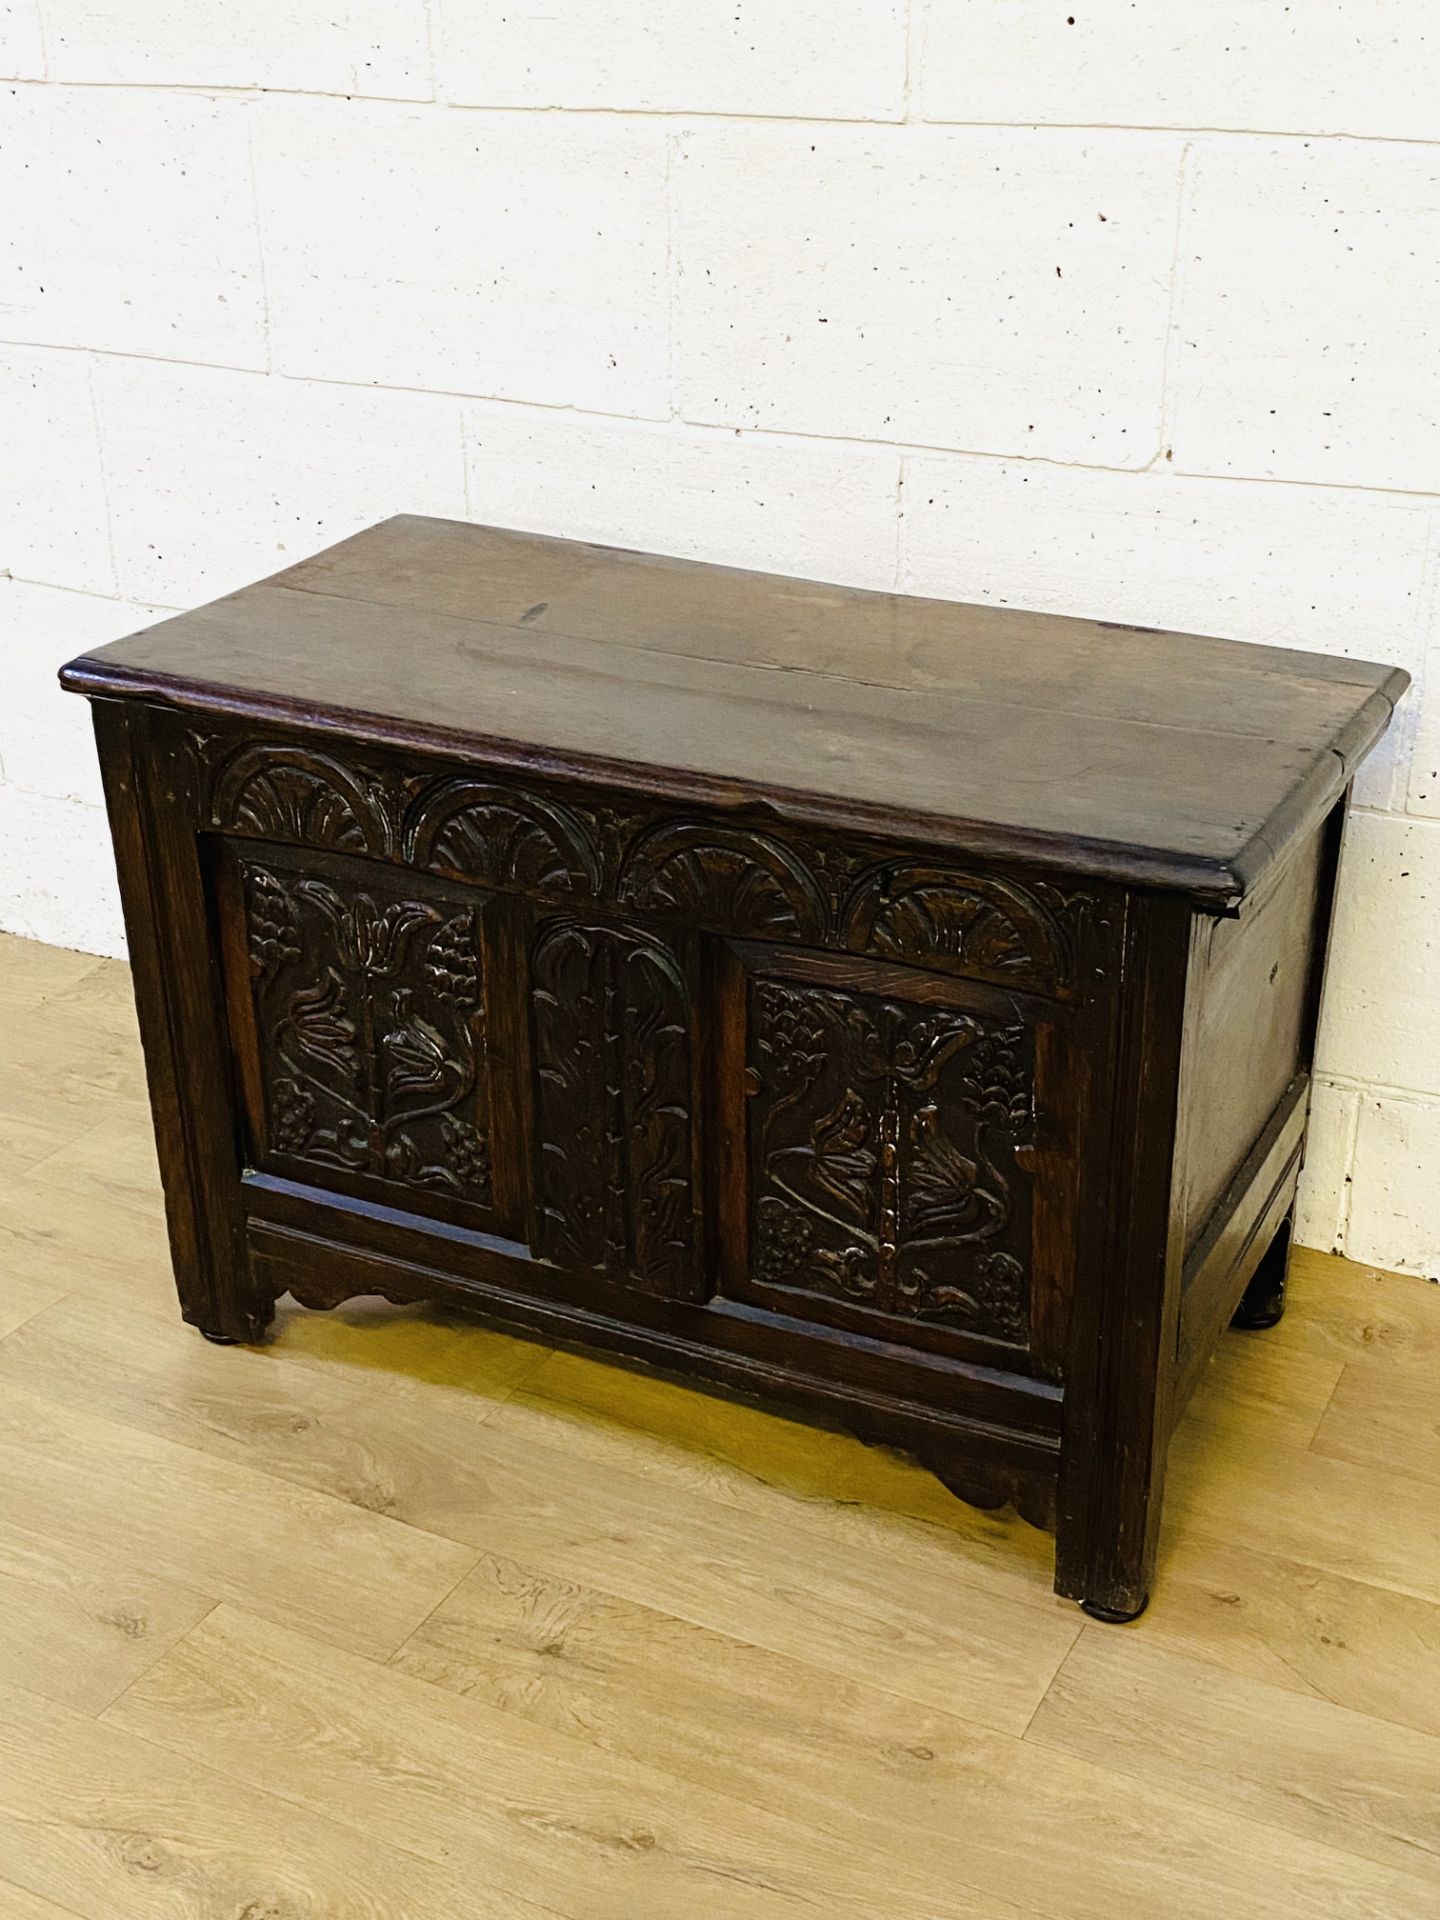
[888,1149]
[614,1098]
[369,1028]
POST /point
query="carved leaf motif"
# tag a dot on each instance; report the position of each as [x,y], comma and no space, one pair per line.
[503,837]
[321,1024]
[415,1053]
[951,1196]
[274,938]
[370,939]
[292,793]
[921,1048]
[942,1183]
[848,1270]
[982,924]
[784,1237]
[950,923]
[467,1152]
[843,1129]
[738,880]
[998,1086]
[292,1115]
[452,963]
[993,1301]
[844,1162]
[612,1027]
[318,811]
[574,1145]
[790,1036]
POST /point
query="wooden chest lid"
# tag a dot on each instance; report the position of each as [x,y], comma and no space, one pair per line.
[1160,759]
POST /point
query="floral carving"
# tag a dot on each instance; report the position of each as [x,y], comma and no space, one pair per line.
[792,1034]
[292,1114]
[273,933]
[883,1148]
[318,1025]
[369,938]
[452,963]
[370,1030]
[468,1151]
[784,1238]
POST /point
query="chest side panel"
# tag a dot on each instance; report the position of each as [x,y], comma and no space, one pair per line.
[1254,1002]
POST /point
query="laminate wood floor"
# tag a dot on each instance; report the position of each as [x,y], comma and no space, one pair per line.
[400,1619]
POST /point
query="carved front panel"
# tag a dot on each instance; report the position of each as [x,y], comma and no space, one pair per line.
[366,1053]
[890,1154]
[613,1039]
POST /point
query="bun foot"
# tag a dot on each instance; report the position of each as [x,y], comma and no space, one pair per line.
[1263,1302]
[1256,1316]
[219,1339]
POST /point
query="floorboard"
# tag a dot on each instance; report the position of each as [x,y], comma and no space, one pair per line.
[400,1617]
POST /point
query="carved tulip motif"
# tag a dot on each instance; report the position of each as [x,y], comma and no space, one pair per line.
[883,1141]
[370,1030]
[369,938]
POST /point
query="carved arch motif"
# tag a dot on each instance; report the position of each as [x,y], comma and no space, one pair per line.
[732,879]
[501,836]
[917,911]
[739,881]
[296,794]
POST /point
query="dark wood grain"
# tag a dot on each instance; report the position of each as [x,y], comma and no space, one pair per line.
[1251,1004]
[150,790]
[897,1012]
[1120,1377]
[1141,756]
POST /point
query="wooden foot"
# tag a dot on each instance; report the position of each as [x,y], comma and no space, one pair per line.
[1113,1616]
[1263,1301]
[234,1326]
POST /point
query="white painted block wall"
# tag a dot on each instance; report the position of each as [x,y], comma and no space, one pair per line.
[1124,311]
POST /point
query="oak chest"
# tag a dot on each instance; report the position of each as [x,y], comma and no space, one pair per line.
[898,1011]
